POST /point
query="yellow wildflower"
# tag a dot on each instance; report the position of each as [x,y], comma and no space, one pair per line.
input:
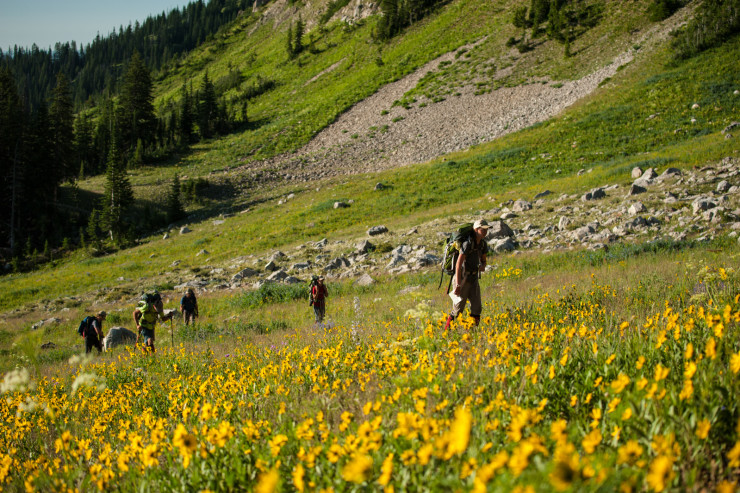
[357,469]
[591,441]
[268,482]
[660,473]
[298,473]
[386,470]
[702,429]
[735,362]
[629,453]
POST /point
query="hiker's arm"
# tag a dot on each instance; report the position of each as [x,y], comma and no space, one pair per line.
[137,316]
[98,328]
[458,272]
[196,308]
[483,261]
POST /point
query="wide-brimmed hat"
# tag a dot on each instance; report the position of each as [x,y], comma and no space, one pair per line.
[481,223]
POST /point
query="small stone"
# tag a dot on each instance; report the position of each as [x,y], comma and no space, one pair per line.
[271,266]
[521,206]
[341,205]
[365,280]
[166,236]
[379,186]
[636,172]
[184,230]
[364,247]
[542,194]
[695,106]
[202,252]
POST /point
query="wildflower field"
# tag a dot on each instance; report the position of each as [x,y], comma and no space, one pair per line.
[563,392]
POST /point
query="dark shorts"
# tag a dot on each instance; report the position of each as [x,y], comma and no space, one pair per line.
[93,342]
[148,335]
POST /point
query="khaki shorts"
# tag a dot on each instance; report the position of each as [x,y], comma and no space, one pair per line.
[470,291]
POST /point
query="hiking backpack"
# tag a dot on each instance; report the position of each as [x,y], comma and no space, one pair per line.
[85,324]
[451,250]
[151,298]
[313,282]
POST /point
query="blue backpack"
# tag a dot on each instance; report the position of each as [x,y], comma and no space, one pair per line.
[85,325]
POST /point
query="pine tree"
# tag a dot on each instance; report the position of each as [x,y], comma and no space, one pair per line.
[185,123]
[289,48]
[300,28]
[137,110]
[175,211]
[61,120]
[118,196]
[207,108]
[11,163]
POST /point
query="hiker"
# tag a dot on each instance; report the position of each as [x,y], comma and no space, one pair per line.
[93,332]
[189,306]
[470,263]
[149,309]
[318,299]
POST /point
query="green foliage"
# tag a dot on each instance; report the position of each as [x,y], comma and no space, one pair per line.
[175,211]
[662,9]
[715,22]
[270,293]
[332,8]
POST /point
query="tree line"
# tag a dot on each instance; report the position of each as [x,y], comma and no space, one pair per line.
[96,68]
[44,148]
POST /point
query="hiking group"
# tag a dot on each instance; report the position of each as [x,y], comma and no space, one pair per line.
[465,256]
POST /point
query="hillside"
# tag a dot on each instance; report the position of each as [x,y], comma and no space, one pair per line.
[607,354]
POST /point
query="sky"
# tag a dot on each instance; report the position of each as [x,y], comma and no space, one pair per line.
[44,22]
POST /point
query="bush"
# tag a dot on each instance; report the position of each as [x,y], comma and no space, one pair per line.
[271,293]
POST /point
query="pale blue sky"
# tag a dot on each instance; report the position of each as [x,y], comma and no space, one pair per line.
[44,22]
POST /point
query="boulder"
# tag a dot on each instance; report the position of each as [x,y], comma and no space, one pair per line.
[542,194]
[271,266]
[580,234]
[291,280]
[702,204]
[300,266]
[48,345]
[364,247]
[498,230]
[396,260]
[636,209]
[48,321]
[636,189]
[732,126]
[377,230]
[596,193]
[563,223]
[244,273]
[670,173]
[521,206]
[379,186]
[365,280]
[277,255]
[166,236]
[401,250]
[184,230]
[321,243]
[723,186]
[337,263]
[636,172]
[341,205]
[277,276]
[118,336]
[647,177]
[202,252]
[504,245]
[427,259]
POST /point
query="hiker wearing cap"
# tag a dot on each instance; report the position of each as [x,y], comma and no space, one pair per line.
[149,309]
[318,299]
[94,333]
[189,306]
[470,263]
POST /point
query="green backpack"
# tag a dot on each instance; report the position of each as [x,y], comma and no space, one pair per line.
[451,250]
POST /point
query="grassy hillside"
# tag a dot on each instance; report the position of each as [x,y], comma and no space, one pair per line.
[592,370]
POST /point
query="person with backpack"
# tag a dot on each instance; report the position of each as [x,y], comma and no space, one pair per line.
[318,299]
[91,329]
[470,262]
[189,306]
[149,309]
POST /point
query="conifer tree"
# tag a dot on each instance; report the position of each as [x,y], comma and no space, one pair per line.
[11,164]
[118,196]
[300,27]
[207,108]
[137,110]
[61,120]
[289,48]
[175,211]
[185,122]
